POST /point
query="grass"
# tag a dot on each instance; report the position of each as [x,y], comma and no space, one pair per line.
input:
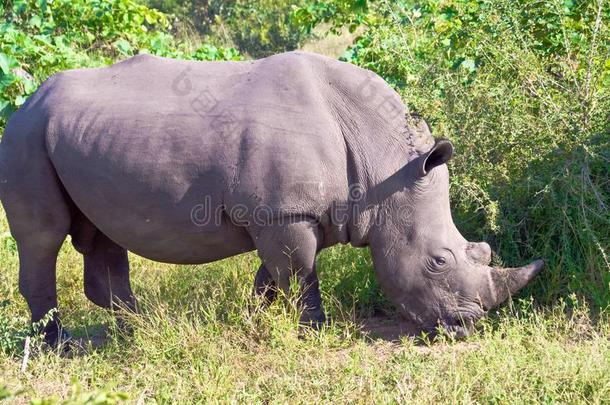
[196,341]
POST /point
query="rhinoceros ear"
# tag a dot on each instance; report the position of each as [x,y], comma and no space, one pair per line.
[440,154]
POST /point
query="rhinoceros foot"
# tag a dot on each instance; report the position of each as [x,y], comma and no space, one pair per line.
[315,319]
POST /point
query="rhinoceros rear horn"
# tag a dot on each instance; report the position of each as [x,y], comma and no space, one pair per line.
[440,154]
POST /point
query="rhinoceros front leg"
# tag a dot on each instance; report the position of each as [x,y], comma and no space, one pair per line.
[287,249]
[264,285]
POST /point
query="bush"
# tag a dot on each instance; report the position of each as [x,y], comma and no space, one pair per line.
[12,330]
[264,27]
[258,28]
[39,38]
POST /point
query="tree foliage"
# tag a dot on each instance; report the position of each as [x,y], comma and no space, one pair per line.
[41,37]
[256,27]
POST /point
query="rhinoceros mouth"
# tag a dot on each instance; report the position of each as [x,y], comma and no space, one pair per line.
[456,329]
[461,327]
[459,324]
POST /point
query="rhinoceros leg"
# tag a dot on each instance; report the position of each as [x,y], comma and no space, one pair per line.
[37,281]
[39,219]
[106,270]
[264,285]
[290,249]
[106,275]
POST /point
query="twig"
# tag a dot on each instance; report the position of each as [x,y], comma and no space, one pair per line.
[26,354]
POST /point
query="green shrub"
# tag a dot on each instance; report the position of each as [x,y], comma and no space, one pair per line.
[39,38]
[12,329]
[263,27]
[258,28]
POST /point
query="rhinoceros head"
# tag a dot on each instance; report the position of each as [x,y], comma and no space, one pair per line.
[423,263]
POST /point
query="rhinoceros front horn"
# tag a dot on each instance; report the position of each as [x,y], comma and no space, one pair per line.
[506,282]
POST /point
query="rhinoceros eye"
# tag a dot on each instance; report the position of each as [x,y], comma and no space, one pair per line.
[440,261]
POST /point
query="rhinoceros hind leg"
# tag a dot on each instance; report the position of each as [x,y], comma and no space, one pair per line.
[37,281]
[106,274]
[39,219]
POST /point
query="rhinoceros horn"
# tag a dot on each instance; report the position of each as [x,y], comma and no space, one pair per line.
[507,281]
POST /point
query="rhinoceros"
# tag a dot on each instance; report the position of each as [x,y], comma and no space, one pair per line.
[192,162]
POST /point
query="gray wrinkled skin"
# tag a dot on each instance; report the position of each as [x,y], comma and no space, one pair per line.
[134,156]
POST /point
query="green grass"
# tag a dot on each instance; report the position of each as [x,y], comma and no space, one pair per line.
[196,341]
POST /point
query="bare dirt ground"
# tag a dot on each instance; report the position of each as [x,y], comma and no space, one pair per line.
[390,329]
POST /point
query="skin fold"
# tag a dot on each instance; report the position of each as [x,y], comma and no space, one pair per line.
[192,162]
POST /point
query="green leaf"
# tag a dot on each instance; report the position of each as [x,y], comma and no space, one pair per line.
[6,109]
[358,6]
[35,21]
[124,47]
[7,62]
[4,393]
[7,80]
[19,100]
[30,86]
[469,64]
